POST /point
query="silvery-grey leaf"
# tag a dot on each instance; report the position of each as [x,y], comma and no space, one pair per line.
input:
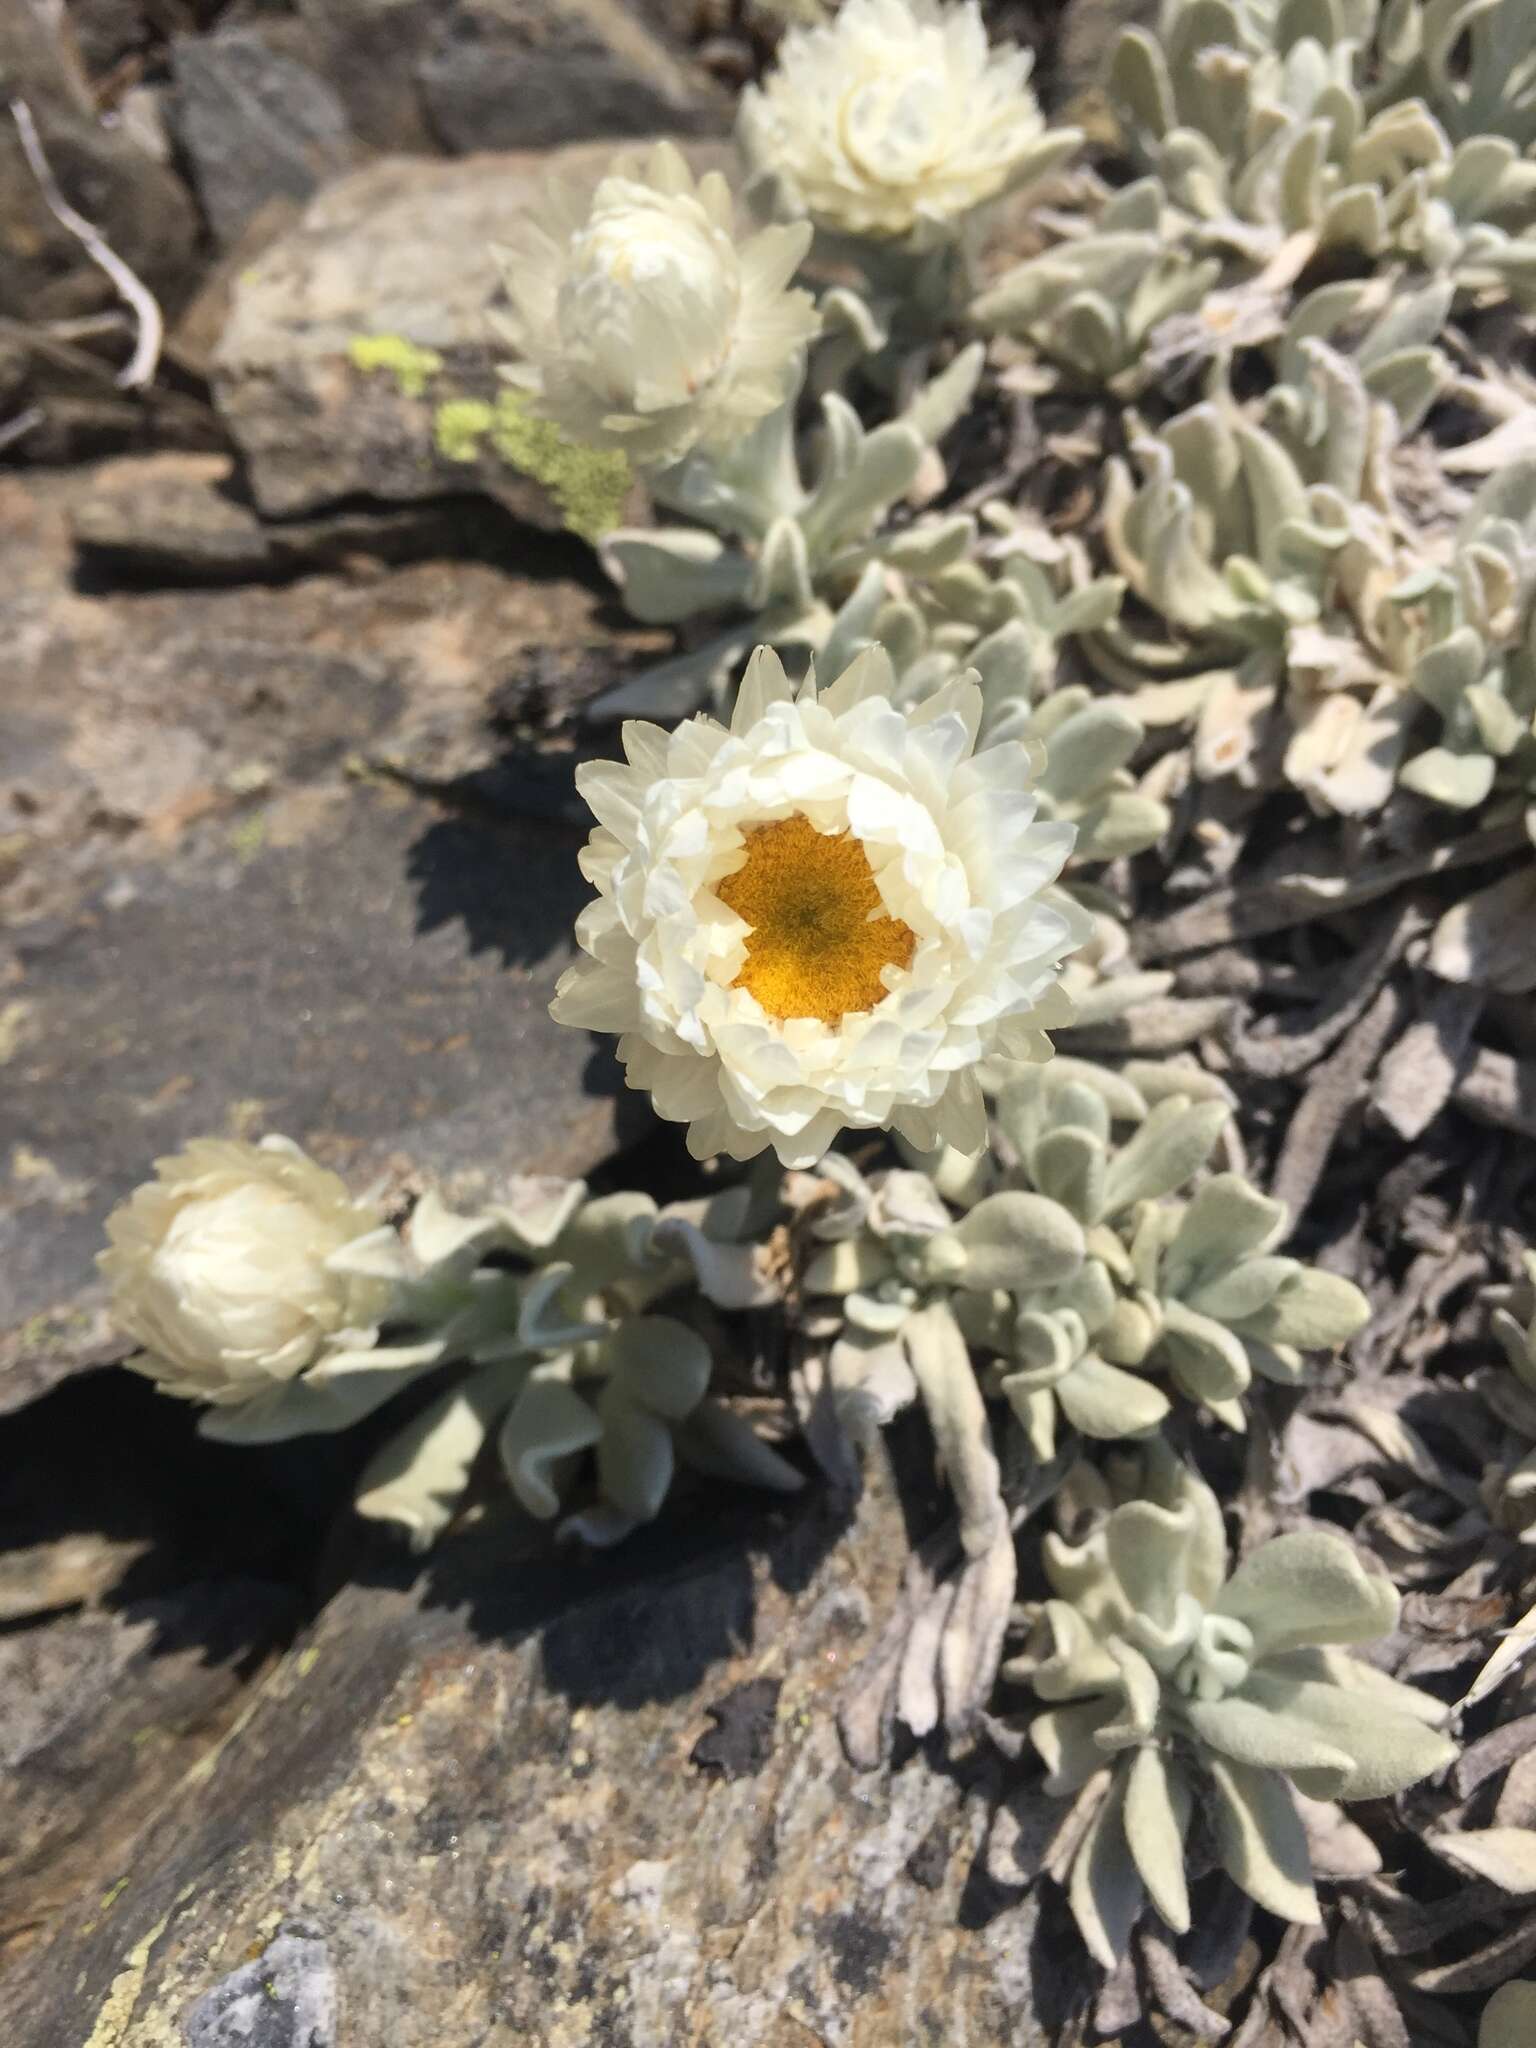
[1308,1587]
[717,1440]
[1157,1807]
[1017,1241]
[972,1643]
[1170,1988]
[1260,1839]
[942,1365]
[1174,1141]
[1504,1856]
[1104,1891]
[417,1477]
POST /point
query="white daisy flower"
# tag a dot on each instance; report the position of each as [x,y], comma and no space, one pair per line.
[896,119]
[643,323]
[822,917]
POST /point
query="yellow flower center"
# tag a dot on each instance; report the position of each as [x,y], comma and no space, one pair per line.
[820,933]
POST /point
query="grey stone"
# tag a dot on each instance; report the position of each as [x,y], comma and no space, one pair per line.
[218,915]
[103,1714]
[373,981]
[181,521]
[369,50]
[503,74]
[283,1998]
[255,126]
[478,1793]
[524,74]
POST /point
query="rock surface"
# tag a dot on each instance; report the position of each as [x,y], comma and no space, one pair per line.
[504,74]
[255,126]
[524,74]
[480,1807]
[104,1714]
[219,914]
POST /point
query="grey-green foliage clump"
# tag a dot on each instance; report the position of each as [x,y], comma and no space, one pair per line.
[1093,1293]
[1091,304]
[583,1364]
[1269,123]
[1190,1705]
[1274,552]
[773,546]
[1509,1484]
[1473,676]
[1187,1294]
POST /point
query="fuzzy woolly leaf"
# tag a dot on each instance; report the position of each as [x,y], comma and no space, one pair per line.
[1244,1289]
[716,1440]
[1017,1241]
[1312,1310]
[1308,1587]
[320,1406]
[1105,1892]
[1173,1143]
[670,573]
[1157,1809]
[1106,1402]
[1261,1841]
[958,1418]
[548,1423]
[634,1455]
[418,1477]
[1068,1165]
[1257,1737]
[658,1364]
[1387,1750]
[1209,1360]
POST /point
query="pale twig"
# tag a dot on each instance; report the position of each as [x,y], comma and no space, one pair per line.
[23,423]
[141,365]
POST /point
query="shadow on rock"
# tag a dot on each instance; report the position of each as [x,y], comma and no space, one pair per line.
[109,1498]
[515,888]
[649,1620]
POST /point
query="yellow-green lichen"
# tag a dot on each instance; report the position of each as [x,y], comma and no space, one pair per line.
[460,425]
[248,836]
[411,365]
[588,484]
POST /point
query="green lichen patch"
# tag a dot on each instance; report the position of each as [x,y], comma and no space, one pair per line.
[588,485]
[411,365]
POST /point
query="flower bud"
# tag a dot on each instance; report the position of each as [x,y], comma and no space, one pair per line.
[643,323]
[218,1267]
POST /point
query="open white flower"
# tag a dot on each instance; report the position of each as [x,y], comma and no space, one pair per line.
[644,325]
[896,119]
[221,1268]
[821,918]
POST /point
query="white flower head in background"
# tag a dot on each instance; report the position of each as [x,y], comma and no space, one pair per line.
[896,120]
[221,1268]
[644,323]
[821,918]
